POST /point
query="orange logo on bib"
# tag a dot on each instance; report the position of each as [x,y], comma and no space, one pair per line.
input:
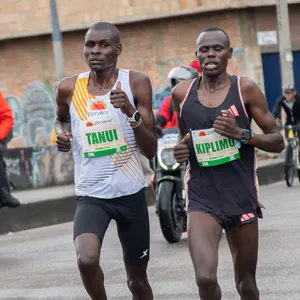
[202,133]
[98,105]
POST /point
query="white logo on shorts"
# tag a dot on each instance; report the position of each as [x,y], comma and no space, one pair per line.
[145,253]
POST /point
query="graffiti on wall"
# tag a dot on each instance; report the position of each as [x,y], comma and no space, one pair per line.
[31,158]
[33,114]
[38,115]
[30,168]
[51,167]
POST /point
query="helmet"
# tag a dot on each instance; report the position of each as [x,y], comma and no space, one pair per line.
[182,73]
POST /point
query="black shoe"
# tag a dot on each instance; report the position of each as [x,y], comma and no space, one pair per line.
[6,199]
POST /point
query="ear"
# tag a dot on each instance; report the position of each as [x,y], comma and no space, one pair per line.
[120,49]
[230,52]
[196,54]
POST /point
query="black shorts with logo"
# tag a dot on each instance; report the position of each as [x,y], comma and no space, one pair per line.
[93,215]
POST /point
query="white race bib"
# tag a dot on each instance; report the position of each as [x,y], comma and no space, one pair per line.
[101,133]
[213,149]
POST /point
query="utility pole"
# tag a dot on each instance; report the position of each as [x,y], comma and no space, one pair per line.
[57,42]
[286,55]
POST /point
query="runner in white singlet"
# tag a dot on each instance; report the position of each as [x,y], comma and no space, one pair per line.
[105,116]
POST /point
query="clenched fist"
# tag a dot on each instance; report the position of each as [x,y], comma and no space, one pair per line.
[181,151]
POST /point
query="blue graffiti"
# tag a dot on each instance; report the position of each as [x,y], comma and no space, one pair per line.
[38,115]
[16,108]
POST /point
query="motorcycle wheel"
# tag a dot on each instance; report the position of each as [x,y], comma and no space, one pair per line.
[289,168]
[171,221]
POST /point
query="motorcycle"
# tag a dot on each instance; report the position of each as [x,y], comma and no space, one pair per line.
[168,184]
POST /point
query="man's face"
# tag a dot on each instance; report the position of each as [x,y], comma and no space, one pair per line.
[289,95]
[213,52]
[101,50]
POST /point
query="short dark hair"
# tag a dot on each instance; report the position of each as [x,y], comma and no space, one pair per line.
[107,26]
[212,29]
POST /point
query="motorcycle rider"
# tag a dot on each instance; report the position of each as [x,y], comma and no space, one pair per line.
[166,116]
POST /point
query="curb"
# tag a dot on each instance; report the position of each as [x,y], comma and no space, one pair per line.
[271,173]
[61,210]
[45,213]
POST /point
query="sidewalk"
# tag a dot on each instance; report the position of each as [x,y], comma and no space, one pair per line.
[54,205]
[45,194]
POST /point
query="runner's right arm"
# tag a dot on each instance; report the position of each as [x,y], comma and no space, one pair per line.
[181,151]
[62,123]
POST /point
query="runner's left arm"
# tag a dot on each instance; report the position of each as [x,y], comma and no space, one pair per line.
[271,140]
[145,134]
[181,151]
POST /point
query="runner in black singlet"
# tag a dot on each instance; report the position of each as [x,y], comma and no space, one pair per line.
[214,116]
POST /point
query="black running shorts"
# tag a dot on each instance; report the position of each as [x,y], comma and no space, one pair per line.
[93,215]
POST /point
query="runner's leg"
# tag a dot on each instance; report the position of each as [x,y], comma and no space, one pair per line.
[90,224]
[204,235]
[134,234]
[88,255]
[138,283]
[243,242]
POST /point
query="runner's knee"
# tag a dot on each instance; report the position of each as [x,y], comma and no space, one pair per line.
[206,281]
[247,288]
[137,283]
[87,262]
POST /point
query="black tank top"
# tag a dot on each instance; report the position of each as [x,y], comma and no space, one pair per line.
[231,182]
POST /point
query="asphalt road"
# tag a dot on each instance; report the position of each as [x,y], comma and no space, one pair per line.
[41,263]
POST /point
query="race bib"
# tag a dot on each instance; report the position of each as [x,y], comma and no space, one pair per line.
[213,149]
[101,133]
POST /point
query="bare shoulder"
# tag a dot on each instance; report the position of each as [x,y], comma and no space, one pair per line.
[141,87]
[247,84]
[67,84]
[65,89]
[180,90]
[249,88]
[137,77]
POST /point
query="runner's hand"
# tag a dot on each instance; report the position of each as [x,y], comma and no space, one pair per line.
[227,126]
[181,151]
[63,141]
[119,99]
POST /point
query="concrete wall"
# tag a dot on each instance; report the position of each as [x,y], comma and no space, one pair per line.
[266,21]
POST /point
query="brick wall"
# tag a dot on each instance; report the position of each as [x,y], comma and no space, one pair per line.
[153,47]
[23,17]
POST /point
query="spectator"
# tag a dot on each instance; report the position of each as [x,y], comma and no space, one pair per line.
[6,125]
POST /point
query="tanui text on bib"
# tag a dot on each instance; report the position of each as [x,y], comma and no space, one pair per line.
[102,133]
[213,149]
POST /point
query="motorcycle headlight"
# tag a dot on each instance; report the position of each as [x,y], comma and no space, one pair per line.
[167,159]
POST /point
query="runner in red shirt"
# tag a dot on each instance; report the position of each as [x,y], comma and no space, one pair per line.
[166,116]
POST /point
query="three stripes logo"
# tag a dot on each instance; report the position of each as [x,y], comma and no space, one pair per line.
[246,217]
